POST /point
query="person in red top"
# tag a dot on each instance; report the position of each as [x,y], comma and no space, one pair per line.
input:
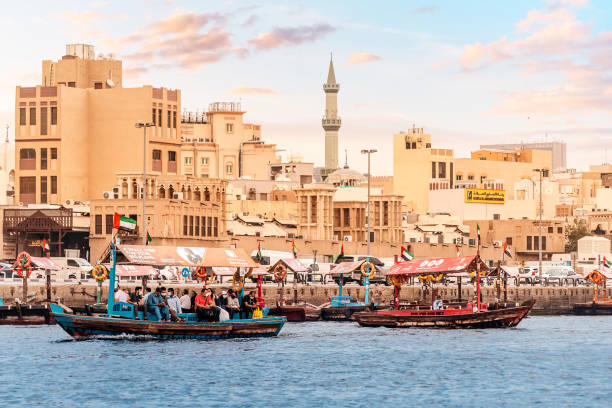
[205,305]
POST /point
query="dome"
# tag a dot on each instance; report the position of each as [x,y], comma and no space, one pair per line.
[345,177]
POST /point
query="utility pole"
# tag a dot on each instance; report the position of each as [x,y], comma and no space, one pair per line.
[368,152]
[144,127]
[540,171]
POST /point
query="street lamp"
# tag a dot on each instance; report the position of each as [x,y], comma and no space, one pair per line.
[144,127]
[368,152]
[540,172]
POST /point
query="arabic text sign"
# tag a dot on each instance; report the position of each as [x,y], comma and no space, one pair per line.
[483,196]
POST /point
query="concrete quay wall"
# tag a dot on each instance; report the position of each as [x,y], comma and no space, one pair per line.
[554,300]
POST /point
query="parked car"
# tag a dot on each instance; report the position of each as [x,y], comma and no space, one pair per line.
[357,276]
[78,267]
[6,270]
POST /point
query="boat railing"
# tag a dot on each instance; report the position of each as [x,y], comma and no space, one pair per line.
[123,309]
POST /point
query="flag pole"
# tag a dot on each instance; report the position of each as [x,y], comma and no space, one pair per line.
[478,272]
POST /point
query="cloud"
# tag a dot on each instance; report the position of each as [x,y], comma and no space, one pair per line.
[279,36]
[133,72]
[425,10]
[243,90]
[187,22]
[84,18]
[362,57]
[250,21]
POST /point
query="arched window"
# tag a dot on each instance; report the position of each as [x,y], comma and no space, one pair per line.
[229,168]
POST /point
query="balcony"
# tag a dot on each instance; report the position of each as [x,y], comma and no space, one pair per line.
[27,164]
[157,165]
[172,167]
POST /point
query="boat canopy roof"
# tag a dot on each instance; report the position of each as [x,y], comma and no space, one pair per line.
[291,264]
[436,266]
[347,267]
[228,271]
[187,256]
[135,270]
[45,263]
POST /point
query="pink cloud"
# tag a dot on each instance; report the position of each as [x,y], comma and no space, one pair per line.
[362,57]
[184,22]
[243,89]
[290,35]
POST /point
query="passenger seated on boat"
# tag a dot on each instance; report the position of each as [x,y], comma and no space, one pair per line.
[174,304]
[185,301]
[437,304]
[222,303]
[249,304]
[120,295]
[157,306]
[136,296]
[233,306]
[204,304]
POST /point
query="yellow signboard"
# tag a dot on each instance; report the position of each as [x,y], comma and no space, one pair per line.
[483,196]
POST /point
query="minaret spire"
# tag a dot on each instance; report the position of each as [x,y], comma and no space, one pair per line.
[331,121]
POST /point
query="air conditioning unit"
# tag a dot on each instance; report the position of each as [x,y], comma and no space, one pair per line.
[348,238]
[107,195]
[178,196]
[69,202]
[116,191]
[497,244]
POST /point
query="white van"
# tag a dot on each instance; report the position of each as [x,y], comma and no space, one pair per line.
[77,268]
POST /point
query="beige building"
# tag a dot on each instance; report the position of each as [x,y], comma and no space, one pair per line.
[75,132]
[7,171]
[418,168]
[314,205]
[331,121]
[218,144]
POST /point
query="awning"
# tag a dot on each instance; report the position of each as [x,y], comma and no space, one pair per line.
[346,267]
[187,256]
[437,266]
[511,270]
[45,263]
[135,270]
[292,265]
[225,271]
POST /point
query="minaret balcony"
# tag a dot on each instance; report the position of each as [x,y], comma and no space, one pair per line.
[331,124]
[331,88]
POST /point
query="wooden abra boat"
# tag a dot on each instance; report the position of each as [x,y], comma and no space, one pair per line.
[121,318]
[599,306]
[472,315]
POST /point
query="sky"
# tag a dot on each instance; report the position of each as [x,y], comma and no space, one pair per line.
[469,72]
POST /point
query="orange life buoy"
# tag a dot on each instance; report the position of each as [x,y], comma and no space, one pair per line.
[23,261]
[397,281]
[279,276]
[99,273]
[368,269]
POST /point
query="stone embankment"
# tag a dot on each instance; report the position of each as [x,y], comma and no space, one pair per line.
[549,299]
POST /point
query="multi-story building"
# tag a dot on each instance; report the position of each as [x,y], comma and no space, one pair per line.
[77,130]
[315,211]
[557,149]
[7,171]
[218,144]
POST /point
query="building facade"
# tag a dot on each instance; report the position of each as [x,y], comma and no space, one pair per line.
[558,151]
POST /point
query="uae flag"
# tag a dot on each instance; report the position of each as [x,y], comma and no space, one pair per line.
[45,245]
[124,223]
[458,250]
[406,254]
[607,263]
[340,255]
[507,250]
[294,249]
[149,239]
[259,257]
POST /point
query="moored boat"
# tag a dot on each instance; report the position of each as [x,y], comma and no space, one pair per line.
[452,315]
[122,319]
[598,306]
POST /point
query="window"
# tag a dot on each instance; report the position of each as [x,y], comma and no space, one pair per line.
[209,229]
[43,121]
[27,189]
[204,226]
[43,159]
[229,168]
[159,117]
[43,189]
[483,178]
[98,85]
[109,224]
[153,117]
[54,153]
[169,118]
[32,116]
[497,216]
[22,116]
[191,225]
[204,161]
[550,230]
[54,185]
[559,230]
[185,225]
[188,161]
[470,177]
[442,170]
[529,248]
[72,84]
[229,127]
[171,156]
[197,226]
[509,240]
[174,119]
[98,224]
[54,115]
[433,169]
[346,217]
[459,177]
[216,227]
[543,243]
[27,159]
[204,175]
[536,243]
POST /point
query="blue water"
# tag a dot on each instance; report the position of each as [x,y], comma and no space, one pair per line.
[546,361]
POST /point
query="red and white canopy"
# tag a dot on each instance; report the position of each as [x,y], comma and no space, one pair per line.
[292,265]
[45,263]
[437,266]
[346,267]
[135,270]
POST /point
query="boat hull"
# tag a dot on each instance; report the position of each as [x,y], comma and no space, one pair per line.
[592,308]
[504,317]
[296,313]
[341,313]
[25,315]
[88,326]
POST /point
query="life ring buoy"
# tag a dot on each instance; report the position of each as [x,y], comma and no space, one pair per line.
[279,276]
[99,273]
[23,262]
[396,281]
[200,273]
[368,269]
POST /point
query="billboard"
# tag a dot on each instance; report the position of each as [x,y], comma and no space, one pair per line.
[483,196]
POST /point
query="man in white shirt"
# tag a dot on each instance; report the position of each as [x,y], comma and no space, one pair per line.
[185,301]
[120,295]
[174,305]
